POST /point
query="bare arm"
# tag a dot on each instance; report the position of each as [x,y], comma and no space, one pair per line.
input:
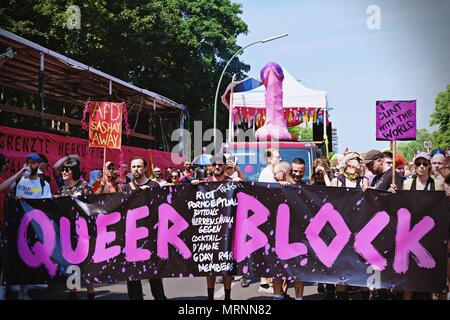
[59,163]
[8,182]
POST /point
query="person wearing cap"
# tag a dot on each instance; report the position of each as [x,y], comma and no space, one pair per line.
[352,176]
[109,183]
[375,162]
[31,187]
[422,180]
[218,164]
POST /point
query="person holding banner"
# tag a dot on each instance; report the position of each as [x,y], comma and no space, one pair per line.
[352,178]
[109,182]
[141,182]
[375,162]
[4,165]
[218,163]
[421,181]
[56,170]
[74,186]
[445,173]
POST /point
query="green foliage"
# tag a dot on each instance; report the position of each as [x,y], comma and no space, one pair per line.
[409,149]
[441,117]
[177,48]
[301,133]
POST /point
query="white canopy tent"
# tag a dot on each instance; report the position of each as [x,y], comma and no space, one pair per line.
[295,95]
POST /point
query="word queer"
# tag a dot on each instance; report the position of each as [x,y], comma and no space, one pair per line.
[171,225]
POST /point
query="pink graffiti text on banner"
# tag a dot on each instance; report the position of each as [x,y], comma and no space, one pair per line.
[327,254]
[248,226]
[283,248]
[134,233]
[363,240]
[166,235]
[42,250]
[407,240]
[81,251]
[104,237]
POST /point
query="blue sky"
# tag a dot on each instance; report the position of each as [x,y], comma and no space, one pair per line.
[330,48]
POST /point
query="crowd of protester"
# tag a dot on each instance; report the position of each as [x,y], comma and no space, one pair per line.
[370,170]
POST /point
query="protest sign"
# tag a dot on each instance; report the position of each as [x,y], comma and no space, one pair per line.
[105,124]
[396,120]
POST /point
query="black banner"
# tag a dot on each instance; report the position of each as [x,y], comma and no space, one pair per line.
[310,233]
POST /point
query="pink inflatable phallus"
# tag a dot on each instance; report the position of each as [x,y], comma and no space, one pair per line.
[275,126]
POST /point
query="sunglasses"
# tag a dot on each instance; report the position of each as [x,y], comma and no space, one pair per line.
[67,169]
[217,164]
[421,163]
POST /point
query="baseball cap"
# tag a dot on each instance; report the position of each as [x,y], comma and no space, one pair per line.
[33,156]
[351,155]
[422,155]
[372,155]
[436,151]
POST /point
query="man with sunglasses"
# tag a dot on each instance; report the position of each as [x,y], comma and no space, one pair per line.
[218,165]
[376,163]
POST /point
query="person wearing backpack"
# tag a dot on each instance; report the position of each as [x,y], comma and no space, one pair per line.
[351,178]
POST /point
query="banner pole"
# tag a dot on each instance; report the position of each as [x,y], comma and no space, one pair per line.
[394,154]
[104,162]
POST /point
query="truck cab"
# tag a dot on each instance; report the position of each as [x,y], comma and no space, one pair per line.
[250,155]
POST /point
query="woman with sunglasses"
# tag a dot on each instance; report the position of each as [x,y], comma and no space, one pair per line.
[353,173]
[422,180]
[75,186]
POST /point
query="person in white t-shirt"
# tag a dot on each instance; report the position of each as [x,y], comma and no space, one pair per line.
[272,157]
[32,186]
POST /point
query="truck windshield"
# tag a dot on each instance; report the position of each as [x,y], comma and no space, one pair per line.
[251,160]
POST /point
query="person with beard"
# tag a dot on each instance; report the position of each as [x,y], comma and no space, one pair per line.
[375,163]
[141,182]
[109,183]
[43,165]
[188,173]
[31,187]
[158,176]
[298,171]
[218,164]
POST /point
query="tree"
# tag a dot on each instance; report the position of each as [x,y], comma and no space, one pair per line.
[177,48]
[409,149]
[441,117]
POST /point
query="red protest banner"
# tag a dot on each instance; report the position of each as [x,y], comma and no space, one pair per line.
[105,124]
